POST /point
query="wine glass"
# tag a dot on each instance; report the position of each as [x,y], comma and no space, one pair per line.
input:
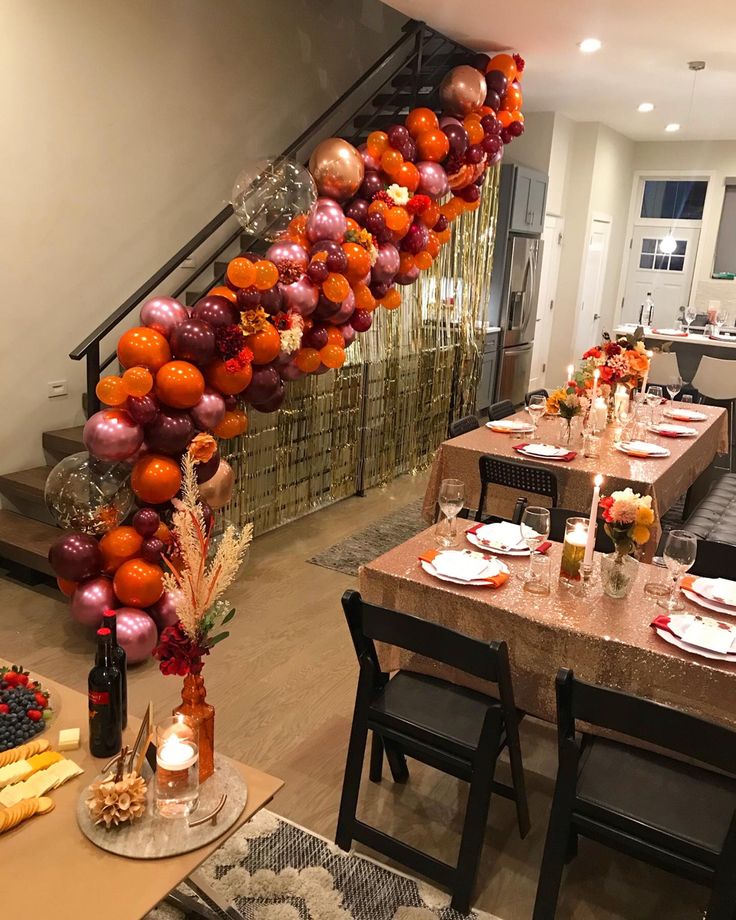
[674,385]
[653,399]
[690,314]
[451,498]
[535,524]
[721,319]
[679,554]
[536,409]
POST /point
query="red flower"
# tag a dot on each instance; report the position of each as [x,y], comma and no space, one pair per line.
[177,653]
[606,502]
[418,203]
[593,352]
[520,63]
[612,349]
[607,374]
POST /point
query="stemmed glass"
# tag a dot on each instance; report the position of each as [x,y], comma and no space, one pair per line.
[679,555]
[690,314]
[674,385]
[721,319]
[535,523]
[653,399]
[451,499]
[536,409]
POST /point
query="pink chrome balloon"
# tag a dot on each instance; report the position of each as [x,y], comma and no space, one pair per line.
[286,251]
[338,168]
[91,599]
[345,312]
[163,314]
[136,633]
[165,611]
[326,223]
[463,90]
[432,179]
[387,263]
[209,411]
[112,435]
[301,296]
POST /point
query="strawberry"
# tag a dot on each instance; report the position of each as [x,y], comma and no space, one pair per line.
[4,708]
[34,715]
[41,700]
[11,678]
[23,679]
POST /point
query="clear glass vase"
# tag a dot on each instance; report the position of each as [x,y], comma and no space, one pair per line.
[618,574]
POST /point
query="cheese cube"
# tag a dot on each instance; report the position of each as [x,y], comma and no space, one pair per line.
[68,739]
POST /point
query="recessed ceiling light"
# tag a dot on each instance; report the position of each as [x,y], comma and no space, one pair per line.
[589,45]
[672,126]
[646,107]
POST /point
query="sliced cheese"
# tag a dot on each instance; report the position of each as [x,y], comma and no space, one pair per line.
[40,783]
[15,772]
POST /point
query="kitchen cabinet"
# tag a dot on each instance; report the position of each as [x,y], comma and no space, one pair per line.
[529,200]
[489,366]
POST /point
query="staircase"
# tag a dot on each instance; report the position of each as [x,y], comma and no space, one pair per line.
[407,75]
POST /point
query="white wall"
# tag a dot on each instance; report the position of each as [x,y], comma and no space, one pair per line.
[124,126]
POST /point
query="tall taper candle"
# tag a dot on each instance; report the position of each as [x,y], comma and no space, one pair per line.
[570,372]
[596,375]
[590,544]
[645,379]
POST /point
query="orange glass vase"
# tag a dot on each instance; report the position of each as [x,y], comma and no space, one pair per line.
[195,707]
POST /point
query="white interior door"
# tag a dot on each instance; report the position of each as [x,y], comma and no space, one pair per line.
[552,238]
[587,328]
[669,276]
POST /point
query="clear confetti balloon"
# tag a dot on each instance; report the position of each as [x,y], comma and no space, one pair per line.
[83,493]
[269,193]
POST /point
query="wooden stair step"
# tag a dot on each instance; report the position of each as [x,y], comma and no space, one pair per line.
[27,485]
[63,441]
[25,541]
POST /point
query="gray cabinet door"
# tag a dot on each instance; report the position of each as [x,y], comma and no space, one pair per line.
[537,201]
[487,381]
[520,212]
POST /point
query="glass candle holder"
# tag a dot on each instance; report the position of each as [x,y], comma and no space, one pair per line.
[573,550]
[177,767]
[591,444]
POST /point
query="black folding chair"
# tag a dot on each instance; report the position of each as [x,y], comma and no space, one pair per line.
[463,425]
[713,559]
[672,814]
[458,731]
[523,477]
[499,410]
[539,392]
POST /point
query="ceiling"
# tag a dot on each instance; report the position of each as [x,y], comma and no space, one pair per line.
[646,47]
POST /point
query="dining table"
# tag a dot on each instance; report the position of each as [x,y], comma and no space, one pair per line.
[605,640]
[666,479]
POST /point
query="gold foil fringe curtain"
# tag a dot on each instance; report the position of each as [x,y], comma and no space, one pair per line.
[386,410]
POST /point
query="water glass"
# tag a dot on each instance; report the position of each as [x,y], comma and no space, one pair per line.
[591,445]
[538,576]
[536,408]
[679,555]
[451,499]
[535,524]
[721,319]
[687,398]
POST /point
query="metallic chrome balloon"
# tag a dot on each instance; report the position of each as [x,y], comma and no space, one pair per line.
[163,314]
[165,611]
[86,494]
[289,253]
[91,599]
[337,168]
[209,411]
[463,90]
[136,632]
[75,556]
[218,490]
[301,296]
[326,223]
[112,435]
[269,193]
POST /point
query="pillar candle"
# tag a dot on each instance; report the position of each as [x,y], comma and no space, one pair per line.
[620,399]
[598,414]
[590,543]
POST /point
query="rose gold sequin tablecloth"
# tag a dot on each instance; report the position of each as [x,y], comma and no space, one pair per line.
[603,640]
[665,479]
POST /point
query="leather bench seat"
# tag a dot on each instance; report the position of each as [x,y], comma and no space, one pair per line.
[715,517]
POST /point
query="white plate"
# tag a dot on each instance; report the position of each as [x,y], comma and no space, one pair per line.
[654,451]
[711,590]
[678,431]
[510,426]
[484,539]
[692,649]
[708,604]
[669,332]
[685,415]
[479,583]
[545,451]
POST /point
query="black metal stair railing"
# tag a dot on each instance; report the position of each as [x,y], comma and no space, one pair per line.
[413,65]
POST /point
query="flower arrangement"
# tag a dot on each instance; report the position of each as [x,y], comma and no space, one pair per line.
[567,402]
[199,573]
[628,519]
[622,361]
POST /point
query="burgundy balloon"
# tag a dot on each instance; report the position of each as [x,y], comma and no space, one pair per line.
[151,550]
[337,261]
[165,611]
[316,337]
[142,409]
[407,277]
[497,82]
[317,272]
[357,209]
[146,521]
[75,556]
[325,308]
[326,223]
[216,311]
[387,263]
[163,314]
[170,432]
[375,223]
[379,289]
[372,184]
[207,469]
[193,340]
[348,334]
[458,138]
[408,149]
[209,411]
[248,298]
[471,193]
[327,246]
[330,203]
[493,100]
[273,402]
[265,382]
[289,371]
[516,128]
[91,599]
[231,403]
[345,311]
[136,632]
[301,296]
[442,224]
[416,238]
[112,434]
[432,179]
[288,251]
[506,136]
[361,320]
[474,154]
[491,143]
[480,61]
[397,134]
[272,300]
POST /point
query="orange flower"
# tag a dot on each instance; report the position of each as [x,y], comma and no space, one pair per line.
[638,362]
[202,447]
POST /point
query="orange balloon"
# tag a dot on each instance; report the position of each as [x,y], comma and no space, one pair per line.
[336,287]
[432,145]
[334,337]
[391,161]
[376,143]
[332,356]
[234,422]
[452,208]
[352,224]
[505,63]
[66,587]
[364,299]
[359,261]
[222,291]
[297,226]
[444,236]
[179,384]
[472,205]
[155,479]
[392,300]
[505,118]
[143,346]
[517,116]
[486,110]
[512,98]
[398,220]
[433,244]
[137,381]
[474,129]
[406,262]
[241,272]
[423,260]
[266,275]
[138,583]
[163,533]
[226,382]
[307,360]
[408,175]
[111,391]
[265,344]
[430,215]
[378,207]
[118,545]
[420,120]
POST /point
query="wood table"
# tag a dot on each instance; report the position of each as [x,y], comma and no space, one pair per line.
[49,866]
[605,641]
[665,479]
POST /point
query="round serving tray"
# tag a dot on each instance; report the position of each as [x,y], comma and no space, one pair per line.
[153,836]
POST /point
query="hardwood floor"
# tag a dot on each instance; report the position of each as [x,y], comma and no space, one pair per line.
[283,685]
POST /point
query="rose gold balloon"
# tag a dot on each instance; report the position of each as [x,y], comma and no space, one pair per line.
[218,490]
[338,168]
[463,90]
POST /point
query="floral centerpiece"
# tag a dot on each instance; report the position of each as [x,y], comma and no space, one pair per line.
[200,571]
[568,402]
[628,518]
[620,361]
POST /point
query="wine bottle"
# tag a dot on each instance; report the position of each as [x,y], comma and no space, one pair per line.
[104,690]
[119,657]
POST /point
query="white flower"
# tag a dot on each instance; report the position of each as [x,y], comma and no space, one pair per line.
[398,194]
[640,347]
[625,505]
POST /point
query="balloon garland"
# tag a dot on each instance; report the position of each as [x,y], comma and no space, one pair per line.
[344,237]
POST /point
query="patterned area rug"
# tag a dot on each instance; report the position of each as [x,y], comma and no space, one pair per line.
[274,870]
[366,545]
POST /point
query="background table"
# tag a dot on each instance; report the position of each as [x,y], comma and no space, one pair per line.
[665,479]
[48,867]
[603,640]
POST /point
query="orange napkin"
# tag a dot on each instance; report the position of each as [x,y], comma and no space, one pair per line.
[639,453]
[687,582]
[495,580]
